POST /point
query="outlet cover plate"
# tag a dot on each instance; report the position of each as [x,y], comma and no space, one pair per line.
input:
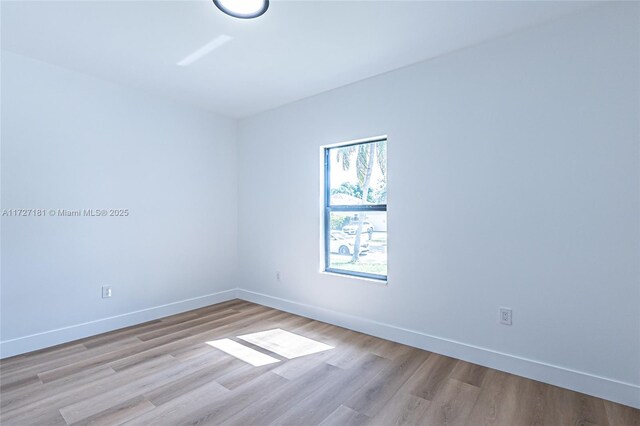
[506,316]
[106,291]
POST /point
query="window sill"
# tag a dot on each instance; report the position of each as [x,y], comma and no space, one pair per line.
[382,283]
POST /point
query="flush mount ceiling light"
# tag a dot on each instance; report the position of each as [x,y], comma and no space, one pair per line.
[244,9]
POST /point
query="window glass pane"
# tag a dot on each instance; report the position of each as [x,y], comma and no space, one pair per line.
[343,233]
[356,168]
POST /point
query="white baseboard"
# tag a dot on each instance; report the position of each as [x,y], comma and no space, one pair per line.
[78,331]
[602,387]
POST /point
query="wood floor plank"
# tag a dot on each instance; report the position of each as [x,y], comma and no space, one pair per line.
[297,367]
[245,374]
[539,402]
[132,353]
[66,360]
[183,325]
[350,351]
[218,407]
[164,323]
[498,401]
[34,395]
[38,415]
[344,415]
[467,372]
[317,407]
[430,376]
[50,417]
[274,404]
[11,398]
[118,413]
[569,406]
[62,396]
[388,349]
[402,409]
[452,405]
[381,389]
[164,372]
[171,413]
[132,331]
[319,331]
[621,415]
[18,383]
[191,351]
[35,358]
[135,386]
[184,384]
[203,333]
[158,324]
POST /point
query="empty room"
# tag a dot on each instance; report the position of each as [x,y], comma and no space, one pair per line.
[291,212]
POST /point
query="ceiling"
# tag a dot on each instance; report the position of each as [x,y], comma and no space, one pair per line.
[297,49]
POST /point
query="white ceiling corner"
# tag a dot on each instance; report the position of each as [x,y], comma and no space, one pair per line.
[297,49]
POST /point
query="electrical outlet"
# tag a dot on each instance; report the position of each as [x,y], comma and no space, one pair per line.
[505,316]
[106,291]
[278,276]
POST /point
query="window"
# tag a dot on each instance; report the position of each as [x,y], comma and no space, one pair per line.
[355,209]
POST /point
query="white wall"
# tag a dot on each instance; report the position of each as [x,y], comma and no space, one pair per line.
[70,141]
[514,181]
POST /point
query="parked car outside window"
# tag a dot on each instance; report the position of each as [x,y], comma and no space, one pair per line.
[352,228]
[342,243]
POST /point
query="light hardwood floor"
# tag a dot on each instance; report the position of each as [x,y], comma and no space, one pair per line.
[163,372]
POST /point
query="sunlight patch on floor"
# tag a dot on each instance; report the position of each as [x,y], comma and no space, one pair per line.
[243,352]
[285,343]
